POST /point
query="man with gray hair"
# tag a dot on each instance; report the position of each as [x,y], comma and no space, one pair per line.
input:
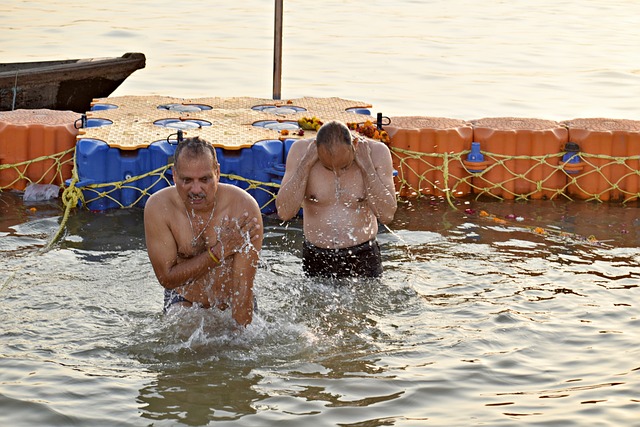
[203,237]
[345,186]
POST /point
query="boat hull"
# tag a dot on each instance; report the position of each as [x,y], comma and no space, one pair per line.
[64,85]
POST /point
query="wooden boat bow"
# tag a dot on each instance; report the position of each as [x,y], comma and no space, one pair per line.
[66,84]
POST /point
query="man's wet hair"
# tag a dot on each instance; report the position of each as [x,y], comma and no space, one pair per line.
[194,146]
[333,132]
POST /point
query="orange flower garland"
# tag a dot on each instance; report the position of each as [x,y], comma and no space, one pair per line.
[370,130]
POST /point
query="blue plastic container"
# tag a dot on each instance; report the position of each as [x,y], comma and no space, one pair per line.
[98,163]
[287,147]
[571,157]
[475,156]
[260,163]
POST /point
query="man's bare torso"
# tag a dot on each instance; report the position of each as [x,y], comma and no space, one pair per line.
[208,290]
[335,202]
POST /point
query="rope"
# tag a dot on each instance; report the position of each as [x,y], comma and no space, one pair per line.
[71,196]
[419,174]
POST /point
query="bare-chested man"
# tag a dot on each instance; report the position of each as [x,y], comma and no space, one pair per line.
[345,186]
[203,237]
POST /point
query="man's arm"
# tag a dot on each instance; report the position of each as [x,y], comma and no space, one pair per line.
[302,156]
[163,250]
[245,264]
[376,166]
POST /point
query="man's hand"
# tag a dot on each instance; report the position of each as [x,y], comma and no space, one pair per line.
[363,156]
[236,233]
[301,158]
[311,155]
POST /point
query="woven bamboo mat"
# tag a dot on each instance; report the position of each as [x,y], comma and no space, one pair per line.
[225,122]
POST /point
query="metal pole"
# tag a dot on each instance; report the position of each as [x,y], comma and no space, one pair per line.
[277,51]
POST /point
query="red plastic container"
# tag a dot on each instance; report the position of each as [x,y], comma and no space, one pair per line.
[27,135]
[509,176]
[433,136]
[606,178]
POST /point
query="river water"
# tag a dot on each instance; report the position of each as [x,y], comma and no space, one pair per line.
[473,323]
[449,58]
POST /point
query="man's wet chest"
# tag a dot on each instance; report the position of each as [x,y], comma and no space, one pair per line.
[325,186]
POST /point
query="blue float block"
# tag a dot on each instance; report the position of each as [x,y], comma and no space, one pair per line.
[258,163]
[98,163]
[287,146]
[278,169]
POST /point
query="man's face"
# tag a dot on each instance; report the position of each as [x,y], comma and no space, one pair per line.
[196,180]
[336,157]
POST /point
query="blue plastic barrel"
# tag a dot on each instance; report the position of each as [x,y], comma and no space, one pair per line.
[255,163]
[475,156]
[571,157]
[98,163]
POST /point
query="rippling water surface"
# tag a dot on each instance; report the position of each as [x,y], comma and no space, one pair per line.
[447,58]
[473,323]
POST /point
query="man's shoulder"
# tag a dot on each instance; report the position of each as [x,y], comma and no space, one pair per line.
[301,144]
[161,197]
[303,141]
[234,193]
[379,145]
[379,149]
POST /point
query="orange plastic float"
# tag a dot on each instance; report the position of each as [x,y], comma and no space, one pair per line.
[517,162]
[28,135]
[419,173]
[601,143]
[507,158]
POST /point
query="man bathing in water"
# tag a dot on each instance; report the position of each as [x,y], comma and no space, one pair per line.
[203,237]
[344,186]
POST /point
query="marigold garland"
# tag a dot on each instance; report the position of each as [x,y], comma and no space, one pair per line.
[591,240]
[310,123]
[370,130]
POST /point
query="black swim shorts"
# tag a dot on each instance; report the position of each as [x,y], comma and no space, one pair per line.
[363,260]
[172,297]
